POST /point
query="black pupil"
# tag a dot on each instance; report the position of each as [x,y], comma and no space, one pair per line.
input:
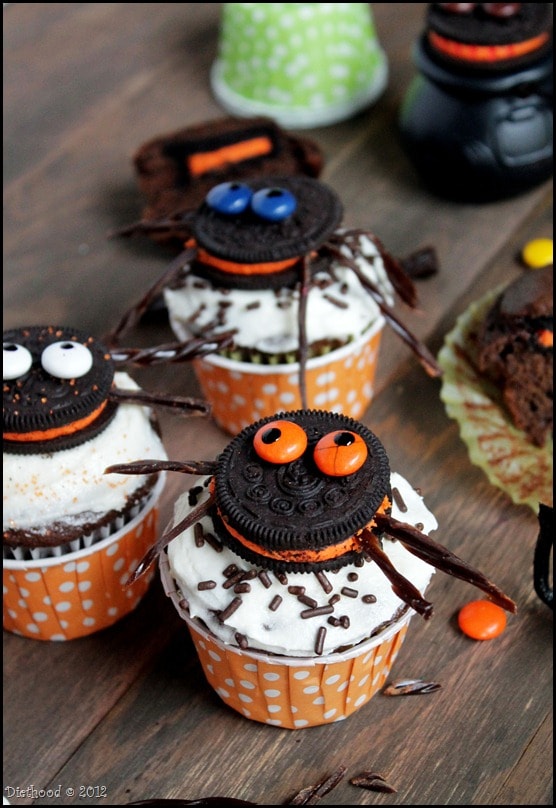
[272,435]
[10,347]
[67,345]
[344,439]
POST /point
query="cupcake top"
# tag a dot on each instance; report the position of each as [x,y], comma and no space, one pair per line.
[67,413]
[305,498]
[488,36]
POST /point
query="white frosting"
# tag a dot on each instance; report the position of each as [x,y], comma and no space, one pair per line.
[283,631]
[40,489]
[267,320]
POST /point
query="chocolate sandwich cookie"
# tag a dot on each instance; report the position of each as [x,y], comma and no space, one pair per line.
[176,170]
[307,491]
[254,235]
[488,36]
[293,492]
[56,384]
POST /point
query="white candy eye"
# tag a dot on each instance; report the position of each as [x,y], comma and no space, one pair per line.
[17,361]
[67,360]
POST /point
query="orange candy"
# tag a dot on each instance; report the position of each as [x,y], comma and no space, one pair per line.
[482,620]
[280,441]
[340,453]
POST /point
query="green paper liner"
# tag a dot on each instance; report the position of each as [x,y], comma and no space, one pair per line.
[513,464]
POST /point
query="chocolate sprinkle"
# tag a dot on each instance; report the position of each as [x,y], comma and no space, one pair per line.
[264,578]
[349,592]
[318,612]
[319,644]
[307,601]
[229,610]
[410,687]
[369,598]
[398,499]
[275,602]
[323,581]
[204,585]
[373,782]
[199,534]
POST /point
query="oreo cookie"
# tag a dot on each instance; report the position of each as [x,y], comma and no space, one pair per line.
[292,491]
[254,235]
[56,383]
[488,36]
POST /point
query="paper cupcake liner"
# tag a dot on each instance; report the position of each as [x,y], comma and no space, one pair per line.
[241,393]
[510,461]
[292,692]
[303,64]
[81,592]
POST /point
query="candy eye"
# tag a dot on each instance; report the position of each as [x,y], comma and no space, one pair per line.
[340,453]
[280,442]
[273,204]
[458,8]
[230,198]
[17,361]
[67,360]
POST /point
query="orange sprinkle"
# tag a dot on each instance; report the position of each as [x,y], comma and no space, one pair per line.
[482,620]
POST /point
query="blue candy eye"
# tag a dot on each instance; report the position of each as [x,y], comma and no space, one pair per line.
[273,204]
[230,198]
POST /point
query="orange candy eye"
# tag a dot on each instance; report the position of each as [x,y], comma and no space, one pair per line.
[482,620]
[280,442]
[340,453]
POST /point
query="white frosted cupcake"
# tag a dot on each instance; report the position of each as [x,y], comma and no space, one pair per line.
[297,563]
[72,534]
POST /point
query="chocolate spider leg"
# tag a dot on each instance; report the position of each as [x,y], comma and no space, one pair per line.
[399,279]
[403,588]
[162,541]
[443,559]
[134,314]
[173,352]
[171,222]
[198,467]
[424,356]
[188,406]
[303,347]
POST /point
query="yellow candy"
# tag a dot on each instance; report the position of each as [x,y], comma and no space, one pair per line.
[538,253]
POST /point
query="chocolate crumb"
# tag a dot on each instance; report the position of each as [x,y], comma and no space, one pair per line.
[399,500]
[373,781]
[183,604]
[319,644]
[193,495]
[324,582]
[419,526]
[241,640]
[422,263]
[410,687]
[275,602]
[349,592]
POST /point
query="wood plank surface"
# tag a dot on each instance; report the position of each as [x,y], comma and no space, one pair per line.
[128,709]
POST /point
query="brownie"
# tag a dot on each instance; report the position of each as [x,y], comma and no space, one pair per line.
[515,352]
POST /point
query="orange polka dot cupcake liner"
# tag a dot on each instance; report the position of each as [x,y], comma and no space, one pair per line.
[80,593]
[292,692]
[241,393]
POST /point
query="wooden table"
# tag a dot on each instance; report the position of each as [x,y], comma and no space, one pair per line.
[128,710]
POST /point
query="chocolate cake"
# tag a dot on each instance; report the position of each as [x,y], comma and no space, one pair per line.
[177,169]
[515,352]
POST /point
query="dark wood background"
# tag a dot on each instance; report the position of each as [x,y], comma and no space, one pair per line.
[84,85]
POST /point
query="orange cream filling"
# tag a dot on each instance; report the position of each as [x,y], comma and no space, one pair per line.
[56,432]
[202,162]
[486,53]
[244,269]
[303,556]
